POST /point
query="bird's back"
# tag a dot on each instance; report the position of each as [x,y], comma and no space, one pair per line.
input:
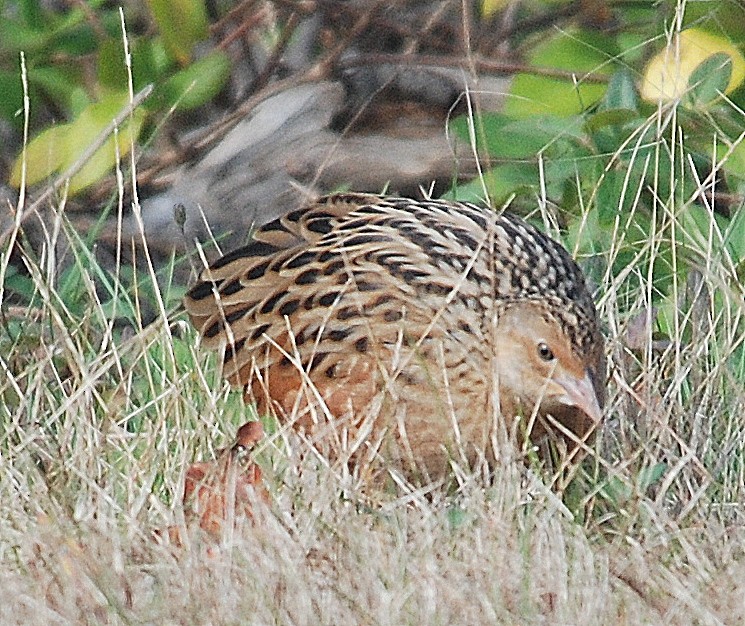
[371,321]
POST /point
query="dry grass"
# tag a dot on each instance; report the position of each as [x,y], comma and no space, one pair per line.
[100,422]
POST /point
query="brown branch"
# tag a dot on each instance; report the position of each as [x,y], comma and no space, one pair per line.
[273,61]
[234,14]
[430,60]
[245,26]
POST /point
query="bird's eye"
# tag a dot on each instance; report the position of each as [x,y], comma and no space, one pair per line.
[545,352]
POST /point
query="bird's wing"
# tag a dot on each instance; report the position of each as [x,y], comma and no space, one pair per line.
[341,272]
[283,288]
[247,279]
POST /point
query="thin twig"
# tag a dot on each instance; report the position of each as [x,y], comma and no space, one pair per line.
[431,60]
[276,56]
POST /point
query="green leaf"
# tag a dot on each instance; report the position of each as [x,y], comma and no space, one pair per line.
[501,182]
[112,69]
[697,226]
[457,517]
[541,95]
[77,41]
[615,193]
[105,158]
[733,165]
[489,124]
[561,170]
[737,361]
[197,84]
[505,138]
[576,52]
[718,17]
[709,80]
[620,490]
[15,38]
[648,476]
[616,490]
[61,84]
[735,236]
[621,92]
[11,96]
[586,236]
[32,13]
[610,118]
[149,62]
[523,139]
[182,24]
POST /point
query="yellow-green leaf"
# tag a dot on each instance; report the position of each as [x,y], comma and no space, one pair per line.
[105,157]
[668,73]
[84,131]
[42,156]
[57,149]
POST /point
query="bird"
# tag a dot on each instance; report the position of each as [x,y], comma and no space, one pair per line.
[406,332]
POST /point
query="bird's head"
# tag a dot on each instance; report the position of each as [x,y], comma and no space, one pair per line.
[539,364]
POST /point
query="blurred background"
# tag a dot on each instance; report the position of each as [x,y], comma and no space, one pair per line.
[228,114]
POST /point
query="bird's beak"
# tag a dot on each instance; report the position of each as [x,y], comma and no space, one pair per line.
[580,393]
